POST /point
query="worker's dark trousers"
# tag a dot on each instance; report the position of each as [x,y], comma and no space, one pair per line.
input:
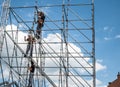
[29,48]
[30,79]
[38,31]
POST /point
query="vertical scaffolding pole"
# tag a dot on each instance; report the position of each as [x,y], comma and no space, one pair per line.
[93,49]
[64,36]
[4,17]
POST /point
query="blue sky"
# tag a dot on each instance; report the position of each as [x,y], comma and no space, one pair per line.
[107,29]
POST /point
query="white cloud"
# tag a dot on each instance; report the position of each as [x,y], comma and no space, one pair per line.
[108,32]
[99,83]
[99,66]
[117,36]
[106,38]
[79,61]
[5,71]
[106,28]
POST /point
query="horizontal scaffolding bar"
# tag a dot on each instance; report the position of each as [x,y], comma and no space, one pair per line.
[81,4]
[47,67]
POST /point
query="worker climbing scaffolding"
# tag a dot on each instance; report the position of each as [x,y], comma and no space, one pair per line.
[40,23]
[30,40]
[31,69]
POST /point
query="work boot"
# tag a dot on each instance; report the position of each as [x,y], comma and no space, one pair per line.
[37,36]
[25,55]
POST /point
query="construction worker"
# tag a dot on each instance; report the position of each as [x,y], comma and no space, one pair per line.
[30,40]
[40,23]
[31,69]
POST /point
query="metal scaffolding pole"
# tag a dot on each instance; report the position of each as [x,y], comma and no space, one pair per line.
[64,55]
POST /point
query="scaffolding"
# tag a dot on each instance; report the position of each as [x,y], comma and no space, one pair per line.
[64,56]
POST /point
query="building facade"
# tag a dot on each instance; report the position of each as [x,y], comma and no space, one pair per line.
[115,83]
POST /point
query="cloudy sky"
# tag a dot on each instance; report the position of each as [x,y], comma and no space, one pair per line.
[107,24]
